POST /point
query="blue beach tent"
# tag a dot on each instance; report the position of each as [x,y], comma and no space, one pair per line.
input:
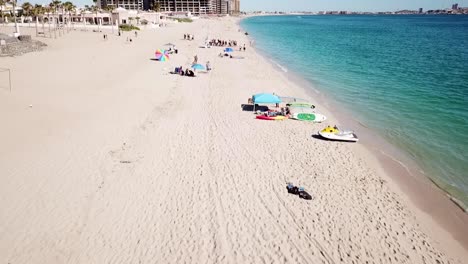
[265,98]
[198,67]
[228,50]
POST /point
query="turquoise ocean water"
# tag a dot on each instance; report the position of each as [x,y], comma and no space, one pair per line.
[405,77]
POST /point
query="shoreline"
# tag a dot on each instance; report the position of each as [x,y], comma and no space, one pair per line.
[398,153]
[128,163]
[393,163]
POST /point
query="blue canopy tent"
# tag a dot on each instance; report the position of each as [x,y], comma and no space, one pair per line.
[265,98]
[198,67]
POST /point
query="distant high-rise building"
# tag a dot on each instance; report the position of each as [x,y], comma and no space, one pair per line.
[127,4]
[420,10]
[224,7]
[221,6]
[196,7]
[455,7]
[234,7]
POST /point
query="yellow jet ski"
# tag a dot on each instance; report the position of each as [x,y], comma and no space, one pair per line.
[333,133]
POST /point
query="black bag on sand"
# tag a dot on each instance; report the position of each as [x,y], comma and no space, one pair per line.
[292,189]
[298,191]
[304,195]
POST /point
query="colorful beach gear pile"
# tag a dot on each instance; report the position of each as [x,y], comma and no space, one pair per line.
[298,110]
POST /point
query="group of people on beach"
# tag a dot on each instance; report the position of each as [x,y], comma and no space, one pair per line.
[188,72]
[189,37]
[222,43]
[173,49]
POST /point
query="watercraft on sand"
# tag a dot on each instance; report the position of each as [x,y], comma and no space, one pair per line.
[311,117]
[302,105]
[333,133]
[266,117]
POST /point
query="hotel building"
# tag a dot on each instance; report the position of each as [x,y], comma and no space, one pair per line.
[127,4]
[196,7]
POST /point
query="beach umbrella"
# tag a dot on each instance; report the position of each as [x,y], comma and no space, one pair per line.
[198,67]
[162,55]
[228,50]
[265,98]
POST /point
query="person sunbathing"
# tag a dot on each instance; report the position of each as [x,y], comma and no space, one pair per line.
[189,73]
[177,70]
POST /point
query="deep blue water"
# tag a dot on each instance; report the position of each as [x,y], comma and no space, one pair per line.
[405,77]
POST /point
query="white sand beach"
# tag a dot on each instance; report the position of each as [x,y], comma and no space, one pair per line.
[105,157]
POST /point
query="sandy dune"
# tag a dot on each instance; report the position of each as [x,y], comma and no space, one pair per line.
[118,161]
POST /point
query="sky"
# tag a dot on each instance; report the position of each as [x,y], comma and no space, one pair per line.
[320,5]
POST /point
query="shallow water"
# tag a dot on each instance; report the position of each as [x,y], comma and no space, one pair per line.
[405,77]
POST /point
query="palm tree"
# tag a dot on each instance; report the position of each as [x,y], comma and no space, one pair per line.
[2,3]
[130,19]
[27,10]
[69,7]
[109,9]
[137,20]
[13,2]
[47,10]
[96,9]
[54,5]
[156,6]
[86,8]
[37,11]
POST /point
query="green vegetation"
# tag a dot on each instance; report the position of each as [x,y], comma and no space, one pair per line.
[27,8]
[127,27]
[155,6]
[186,20]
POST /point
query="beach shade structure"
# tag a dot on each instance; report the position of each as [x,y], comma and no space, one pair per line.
[265,98]
[228,50]
[162,55]
[169,44]
[198,67]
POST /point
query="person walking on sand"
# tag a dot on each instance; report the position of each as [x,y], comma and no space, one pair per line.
[136,34]
[195,59]
[208,66]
